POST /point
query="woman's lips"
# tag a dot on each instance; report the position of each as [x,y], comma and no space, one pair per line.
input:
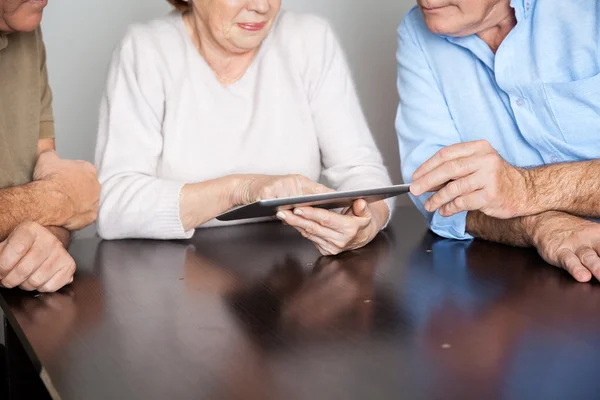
[253,26]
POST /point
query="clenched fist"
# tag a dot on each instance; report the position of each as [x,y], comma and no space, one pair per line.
[77,185]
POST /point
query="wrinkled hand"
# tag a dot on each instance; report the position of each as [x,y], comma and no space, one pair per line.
[264,187]
[334,233]
[77,183]
[34,259]
[570,243]
[473,176]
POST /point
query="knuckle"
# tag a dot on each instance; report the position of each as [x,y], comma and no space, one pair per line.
[493,160]
[490,193]
[454,187]
[35,281]
[8,283]
[341,244]
[483,144]
[27,287]
[444,153]
[335,251]
[71,265]
[24,232]
[49,288]
[460,202]
[588,255]
[471,182]
[430,183]
[461,165]
[323,251]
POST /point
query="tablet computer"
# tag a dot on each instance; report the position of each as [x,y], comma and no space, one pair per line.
[268,208]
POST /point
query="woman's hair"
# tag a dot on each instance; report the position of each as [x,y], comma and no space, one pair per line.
[180,5]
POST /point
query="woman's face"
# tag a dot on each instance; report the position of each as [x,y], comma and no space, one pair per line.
[21,15]
[237,25]
[460,18]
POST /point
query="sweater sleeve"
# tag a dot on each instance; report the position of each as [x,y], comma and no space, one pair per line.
[134,202]
[350,157]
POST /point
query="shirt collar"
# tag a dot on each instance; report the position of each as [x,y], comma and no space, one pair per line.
[473,43]
[3,41]
[523,8]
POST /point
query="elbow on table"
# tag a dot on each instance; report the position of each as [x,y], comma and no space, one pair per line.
[446,227]
[109,225]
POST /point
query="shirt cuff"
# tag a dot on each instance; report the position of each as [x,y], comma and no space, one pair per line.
[454,227]
[168,219]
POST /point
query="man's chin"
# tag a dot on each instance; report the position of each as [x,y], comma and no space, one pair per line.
[29,24]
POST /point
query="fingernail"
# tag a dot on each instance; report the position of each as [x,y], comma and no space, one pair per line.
[281,215]
[582,276]
[427,205]
[298,211]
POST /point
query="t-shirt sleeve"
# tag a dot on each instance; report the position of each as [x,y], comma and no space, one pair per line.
[46,114]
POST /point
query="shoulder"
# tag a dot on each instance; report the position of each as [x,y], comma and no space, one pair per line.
[302,32]
[155,38]
[301,24]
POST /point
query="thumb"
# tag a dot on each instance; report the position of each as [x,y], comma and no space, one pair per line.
[360,208]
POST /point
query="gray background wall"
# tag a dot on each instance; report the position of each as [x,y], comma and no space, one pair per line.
[80,37]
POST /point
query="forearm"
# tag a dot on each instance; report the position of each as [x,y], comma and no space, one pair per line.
[201,202]
[32,202]
[513,232]
[62,234]
[569,187]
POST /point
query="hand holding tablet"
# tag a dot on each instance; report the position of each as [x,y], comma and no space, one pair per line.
[268,208]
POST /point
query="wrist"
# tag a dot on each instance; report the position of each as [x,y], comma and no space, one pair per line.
[529,224]
[52,205]
[537,227]
[239,187]
[62,234]
[529,201]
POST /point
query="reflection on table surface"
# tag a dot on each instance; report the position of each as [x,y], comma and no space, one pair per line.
[255,313]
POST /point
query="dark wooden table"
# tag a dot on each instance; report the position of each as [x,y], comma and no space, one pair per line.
[252,312]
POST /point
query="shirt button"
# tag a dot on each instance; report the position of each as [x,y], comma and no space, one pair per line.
[520,102]
[554,159]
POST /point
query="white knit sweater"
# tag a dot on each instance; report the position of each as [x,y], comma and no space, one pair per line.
[165,120]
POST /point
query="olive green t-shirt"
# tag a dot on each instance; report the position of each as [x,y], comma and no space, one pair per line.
[25,105]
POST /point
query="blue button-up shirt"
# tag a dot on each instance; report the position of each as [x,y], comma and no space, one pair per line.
[537,100]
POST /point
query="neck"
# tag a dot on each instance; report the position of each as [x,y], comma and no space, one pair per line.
[495,35]
[228,66]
